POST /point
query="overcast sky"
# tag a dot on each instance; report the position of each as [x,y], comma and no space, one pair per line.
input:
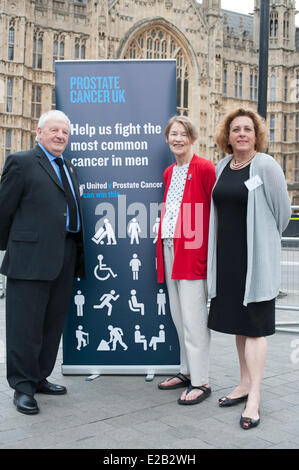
[247,6]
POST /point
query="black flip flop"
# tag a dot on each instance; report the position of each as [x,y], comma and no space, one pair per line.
[206,393]
[185,382]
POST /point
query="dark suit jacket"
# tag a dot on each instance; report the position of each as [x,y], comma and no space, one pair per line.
[33,218]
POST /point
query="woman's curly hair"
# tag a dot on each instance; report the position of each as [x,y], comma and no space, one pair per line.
[222,136]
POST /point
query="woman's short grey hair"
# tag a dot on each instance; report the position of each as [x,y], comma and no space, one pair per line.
[186,123]
[53,115]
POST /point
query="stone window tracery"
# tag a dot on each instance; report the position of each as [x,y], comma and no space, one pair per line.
[58,48]
[158,43]
[37,58]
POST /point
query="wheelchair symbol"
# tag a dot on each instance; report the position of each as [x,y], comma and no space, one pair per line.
[106,271]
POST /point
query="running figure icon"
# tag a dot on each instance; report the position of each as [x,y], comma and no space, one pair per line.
[106,301]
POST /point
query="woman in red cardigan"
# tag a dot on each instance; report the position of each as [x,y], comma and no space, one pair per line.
[182,257]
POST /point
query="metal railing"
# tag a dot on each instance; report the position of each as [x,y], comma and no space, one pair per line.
[288,298]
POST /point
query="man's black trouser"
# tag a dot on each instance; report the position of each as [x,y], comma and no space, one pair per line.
[35,317]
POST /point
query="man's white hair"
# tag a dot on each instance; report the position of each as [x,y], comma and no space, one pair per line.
[53,115]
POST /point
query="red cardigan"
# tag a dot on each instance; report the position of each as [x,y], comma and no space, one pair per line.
[192,227]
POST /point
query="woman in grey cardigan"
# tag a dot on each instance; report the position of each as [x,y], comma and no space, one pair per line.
[250,209]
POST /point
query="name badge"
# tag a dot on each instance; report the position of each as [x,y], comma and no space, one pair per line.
[253,183]
[81,190]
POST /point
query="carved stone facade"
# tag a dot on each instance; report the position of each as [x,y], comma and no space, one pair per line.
[216,53]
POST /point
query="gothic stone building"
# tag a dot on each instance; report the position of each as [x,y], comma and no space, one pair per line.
[216,53]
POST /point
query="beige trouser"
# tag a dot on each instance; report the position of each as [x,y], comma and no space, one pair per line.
[188,306]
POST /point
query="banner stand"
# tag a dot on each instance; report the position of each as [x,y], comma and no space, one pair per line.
[117,370]
[119,320]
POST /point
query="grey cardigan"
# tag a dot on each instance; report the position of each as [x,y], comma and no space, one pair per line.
[268,214]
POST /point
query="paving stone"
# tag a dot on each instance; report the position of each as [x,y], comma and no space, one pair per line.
[126,412]
[191,443]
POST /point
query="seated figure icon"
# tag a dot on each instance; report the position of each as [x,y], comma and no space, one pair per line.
[134,305]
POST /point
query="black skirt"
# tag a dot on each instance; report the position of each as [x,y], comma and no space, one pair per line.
[227,312]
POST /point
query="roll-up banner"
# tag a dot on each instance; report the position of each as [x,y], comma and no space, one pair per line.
[119,319]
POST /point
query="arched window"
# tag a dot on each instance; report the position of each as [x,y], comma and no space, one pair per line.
[158,43]
[285,125]
[9,95]
[225,82]
[80,48]
[37,58]
[284,164]
[55,49]
[285,95]
[253,88]
[272,127]
[272,86]
[273,24]
[36,101]
[8,142]
[286,25]
[77,50]
[11,43]
[58,48]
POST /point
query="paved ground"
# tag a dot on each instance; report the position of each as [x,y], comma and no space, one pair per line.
[125,412]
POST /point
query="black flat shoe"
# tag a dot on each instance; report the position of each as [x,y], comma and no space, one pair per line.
[226,401]
[248,423]
[25,403]
[50,389]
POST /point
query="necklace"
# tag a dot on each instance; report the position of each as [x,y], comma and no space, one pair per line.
[236,166]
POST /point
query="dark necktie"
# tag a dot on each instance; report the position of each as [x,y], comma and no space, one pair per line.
[69,196]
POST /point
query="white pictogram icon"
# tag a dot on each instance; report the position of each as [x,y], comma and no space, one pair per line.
[134,230]
[106,301]
[134,305]
[139,338]
[79,301]
[157,339]
[161,301]
[116,335]
[106,231]
[102,272]
[135,264]
[80,338]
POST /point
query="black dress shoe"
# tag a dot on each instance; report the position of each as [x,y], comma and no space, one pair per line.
[50,389]
[25,403]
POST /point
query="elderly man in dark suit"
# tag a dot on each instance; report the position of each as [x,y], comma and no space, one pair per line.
[41,231]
